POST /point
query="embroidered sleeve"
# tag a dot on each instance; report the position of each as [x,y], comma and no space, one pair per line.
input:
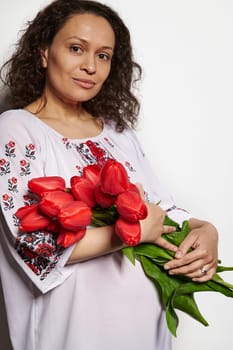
[21,158]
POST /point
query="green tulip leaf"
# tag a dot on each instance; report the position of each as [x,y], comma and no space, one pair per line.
[171,318]
[224,268]
[187,304]
[129,252]
[160,278]
[153,251]
[216,278]
[179,235]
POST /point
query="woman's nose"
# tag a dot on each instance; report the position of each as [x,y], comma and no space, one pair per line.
[88,64]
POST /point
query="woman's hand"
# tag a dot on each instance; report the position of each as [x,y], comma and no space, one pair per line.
[152,228]
[200,263]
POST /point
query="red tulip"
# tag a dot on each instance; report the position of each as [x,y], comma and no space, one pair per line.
[129,232]
[21,212]
[53,226]
[83,190]
[52,201]
[133,188]
[34,221]
[47,183]
[67,238]
[113,178]
[75,215]
[92,173]
[74,180]
[105,200]
[131,206]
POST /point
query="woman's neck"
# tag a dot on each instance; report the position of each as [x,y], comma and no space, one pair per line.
[70,121]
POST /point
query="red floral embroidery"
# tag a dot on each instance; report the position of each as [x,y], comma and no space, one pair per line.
[4,167]
[23,162]
[79,168]
[67,143]
[109,142]
[30,151]
[92,152]
[44,249]
[25,168]
[10,149]
[129,166]
[39,251]
[28,200]
[98,153]
[5,197]
[12,184]
[7,202]
[33,268]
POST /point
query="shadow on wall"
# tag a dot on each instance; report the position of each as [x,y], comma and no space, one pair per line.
[4,103]
[4,333]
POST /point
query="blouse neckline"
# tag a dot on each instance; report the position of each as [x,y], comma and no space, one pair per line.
[55,132]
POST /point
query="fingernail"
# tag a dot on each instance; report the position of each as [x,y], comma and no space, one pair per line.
[166,267]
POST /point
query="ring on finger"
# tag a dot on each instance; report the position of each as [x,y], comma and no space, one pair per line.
[204,270]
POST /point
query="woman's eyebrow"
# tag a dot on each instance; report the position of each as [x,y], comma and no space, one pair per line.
[106,47]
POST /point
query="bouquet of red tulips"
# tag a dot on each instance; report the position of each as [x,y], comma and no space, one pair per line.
[105,196]
[101,196]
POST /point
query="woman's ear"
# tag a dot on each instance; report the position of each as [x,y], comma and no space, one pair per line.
[44,58]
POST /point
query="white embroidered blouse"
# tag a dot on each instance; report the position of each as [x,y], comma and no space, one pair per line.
[101,304]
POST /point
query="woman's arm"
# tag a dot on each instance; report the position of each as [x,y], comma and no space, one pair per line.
[200,263]
[96,242]
[103,240]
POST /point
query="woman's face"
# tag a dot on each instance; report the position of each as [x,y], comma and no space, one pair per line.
[79,59]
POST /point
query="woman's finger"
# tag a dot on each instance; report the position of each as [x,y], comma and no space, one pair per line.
[188,243]
[161,242]
[193,256]
[168,229]
[205,273]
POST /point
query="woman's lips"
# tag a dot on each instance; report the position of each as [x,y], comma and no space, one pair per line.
[84,83]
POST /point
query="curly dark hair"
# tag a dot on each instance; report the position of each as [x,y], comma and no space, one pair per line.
[25,76]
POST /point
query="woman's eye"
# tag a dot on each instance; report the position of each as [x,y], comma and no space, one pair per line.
[76,49]
[104,56]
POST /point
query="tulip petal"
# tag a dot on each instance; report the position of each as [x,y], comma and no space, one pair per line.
[83,190]
[33,221]
[52,201]
[67,238]
[131,206]
[129,232]
[92,173]
[46,183]
[21,212]
[113,178]
[75,215]
[105,200]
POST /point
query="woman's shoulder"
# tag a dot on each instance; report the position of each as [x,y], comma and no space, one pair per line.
[20,125]
[15,116]
[19,120]
[127,138]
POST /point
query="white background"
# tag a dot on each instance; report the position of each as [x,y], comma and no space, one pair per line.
[186,124]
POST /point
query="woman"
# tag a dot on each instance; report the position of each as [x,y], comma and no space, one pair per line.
[70,83]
